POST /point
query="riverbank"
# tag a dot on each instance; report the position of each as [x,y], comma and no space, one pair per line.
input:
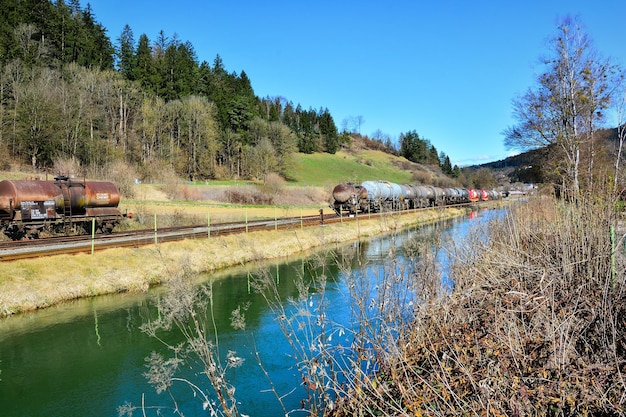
[27,285]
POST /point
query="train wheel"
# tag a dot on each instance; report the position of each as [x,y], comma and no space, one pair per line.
[107,228]
[15,233]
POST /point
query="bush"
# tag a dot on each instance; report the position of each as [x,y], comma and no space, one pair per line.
[67,167]
[274,184]
[248,195]
[123,175]
[190,193]
[423,177]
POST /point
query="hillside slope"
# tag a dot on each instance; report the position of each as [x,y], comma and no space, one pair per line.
[359,163]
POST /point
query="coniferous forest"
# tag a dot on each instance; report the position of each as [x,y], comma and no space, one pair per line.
[69,93]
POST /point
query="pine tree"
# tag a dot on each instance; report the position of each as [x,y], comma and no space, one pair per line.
[145,70]
[412,147]
[307,130]
[126,56]
[433,155]
[244,86]
[328,130]
[445,164]
[96,48]
[159,78]
[185,70]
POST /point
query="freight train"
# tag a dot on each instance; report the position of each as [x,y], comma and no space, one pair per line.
[65,206]
[377,196]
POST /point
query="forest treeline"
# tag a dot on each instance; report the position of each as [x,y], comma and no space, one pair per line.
[67,92]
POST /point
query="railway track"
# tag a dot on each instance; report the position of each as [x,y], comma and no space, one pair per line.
[15,250]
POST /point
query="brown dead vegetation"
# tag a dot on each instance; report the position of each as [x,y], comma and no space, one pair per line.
[535,326]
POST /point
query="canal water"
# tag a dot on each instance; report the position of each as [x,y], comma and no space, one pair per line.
[88,357]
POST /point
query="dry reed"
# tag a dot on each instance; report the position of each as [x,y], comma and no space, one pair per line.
[535,325]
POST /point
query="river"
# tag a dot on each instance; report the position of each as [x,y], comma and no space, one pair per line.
[87,357]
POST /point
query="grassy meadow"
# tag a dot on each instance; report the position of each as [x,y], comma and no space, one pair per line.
[327,170]
[309,189]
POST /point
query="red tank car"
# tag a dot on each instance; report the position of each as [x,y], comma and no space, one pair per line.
[62,206]
[474,195]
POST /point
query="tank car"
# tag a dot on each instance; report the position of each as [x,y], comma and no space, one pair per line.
[440,196]
[494,195]
[423,196]
[347,197]
[452,195]
[408,196]
[382,195]
[473,195]
[463,195]
[29,207]
[374,196]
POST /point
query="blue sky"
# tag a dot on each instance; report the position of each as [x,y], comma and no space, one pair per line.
[447,69]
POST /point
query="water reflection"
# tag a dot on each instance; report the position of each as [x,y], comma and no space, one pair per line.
[87,357]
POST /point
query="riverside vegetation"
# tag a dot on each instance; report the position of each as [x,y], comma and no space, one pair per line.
[534,325]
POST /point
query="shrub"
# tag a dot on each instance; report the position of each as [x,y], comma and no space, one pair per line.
[170,181]
[274,184]
[67,167]
[190,193]
[423,177]
[247,195]
[188,310]
[123,175]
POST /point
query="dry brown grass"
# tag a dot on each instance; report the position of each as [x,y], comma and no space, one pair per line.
[196,205]
[535,326]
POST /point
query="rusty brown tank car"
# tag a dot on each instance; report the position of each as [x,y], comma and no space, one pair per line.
[29,207]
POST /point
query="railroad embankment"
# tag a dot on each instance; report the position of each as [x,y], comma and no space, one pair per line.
[27,285]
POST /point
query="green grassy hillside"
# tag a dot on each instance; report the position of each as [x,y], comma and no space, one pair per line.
[322,169]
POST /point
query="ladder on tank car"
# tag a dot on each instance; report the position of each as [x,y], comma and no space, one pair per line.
[67,205]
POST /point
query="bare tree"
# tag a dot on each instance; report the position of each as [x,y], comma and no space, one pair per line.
[567,107]
[264,157]
[621,136]
[38,117]
[352,124]
[200,136]
[359,120]
[31,42]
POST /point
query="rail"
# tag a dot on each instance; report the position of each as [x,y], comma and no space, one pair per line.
[25,249]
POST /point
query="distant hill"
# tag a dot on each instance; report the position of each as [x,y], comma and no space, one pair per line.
[528,167]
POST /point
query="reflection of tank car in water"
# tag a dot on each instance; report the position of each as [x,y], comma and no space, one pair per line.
[28,207]
[376,196]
